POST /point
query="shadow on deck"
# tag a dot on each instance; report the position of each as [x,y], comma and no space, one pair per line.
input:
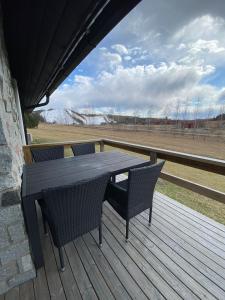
[180,256]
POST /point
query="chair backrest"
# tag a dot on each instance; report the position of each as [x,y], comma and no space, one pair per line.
[48,153]
[75,209]
[81,149]
[141,185]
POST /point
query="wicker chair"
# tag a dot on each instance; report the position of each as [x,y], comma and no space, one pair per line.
[51,153]
[48,154]
[74,210]
[82,149]
[134,195]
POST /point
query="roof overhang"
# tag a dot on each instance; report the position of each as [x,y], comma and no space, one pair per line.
[47,39]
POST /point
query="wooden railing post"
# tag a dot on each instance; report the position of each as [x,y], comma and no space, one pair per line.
[153,157]
[101,146]
[27,155]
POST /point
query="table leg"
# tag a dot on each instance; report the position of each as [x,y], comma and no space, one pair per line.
[31,221]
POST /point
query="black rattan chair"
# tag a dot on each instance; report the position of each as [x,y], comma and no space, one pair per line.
[48,153]
[74,210]
[45,154]
[81,149]
[134,195]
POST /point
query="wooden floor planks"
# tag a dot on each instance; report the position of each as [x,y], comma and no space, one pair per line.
[180,256]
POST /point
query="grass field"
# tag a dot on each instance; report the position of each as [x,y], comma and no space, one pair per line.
[210,148]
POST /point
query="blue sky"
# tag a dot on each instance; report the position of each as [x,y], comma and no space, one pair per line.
[163,57]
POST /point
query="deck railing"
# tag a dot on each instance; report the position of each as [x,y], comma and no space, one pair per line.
[213,165]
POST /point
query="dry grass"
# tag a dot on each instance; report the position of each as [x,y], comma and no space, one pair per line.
[199,146]
[210,148]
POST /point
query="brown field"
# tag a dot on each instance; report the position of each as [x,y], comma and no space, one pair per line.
[200,146]
[206,147]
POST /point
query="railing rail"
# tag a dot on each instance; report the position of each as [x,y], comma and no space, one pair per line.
[213,165]
[200,162]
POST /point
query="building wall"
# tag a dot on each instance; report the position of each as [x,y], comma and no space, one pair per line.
[15,260]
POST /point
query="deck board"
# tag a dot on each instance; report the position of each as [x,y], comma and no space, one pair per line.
[187,252]
[68,281]
[27,291]
[180,256]
[174,263]
[195,231]
[206,221]
[196,227]
[196,241]
[111,278]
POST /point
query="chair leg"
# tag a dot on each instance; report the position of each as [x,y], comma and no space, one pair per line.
[45,225]
[113,178]
[61,258]
[127,230]
[150,216]
[100,234]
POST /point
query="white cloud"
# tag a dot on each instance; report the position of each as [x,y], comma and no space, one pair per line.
[205,46]
[203,27]
[202,40]
[110,60]
[127,57]
[121,49]
[163,51]
[181,46]
[138,87]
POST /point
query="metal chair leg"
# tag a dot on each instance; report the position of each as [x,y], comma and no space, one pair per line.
[45,225]
[61,258]
[127,230]
[100,234]
[113,178]
[150,216]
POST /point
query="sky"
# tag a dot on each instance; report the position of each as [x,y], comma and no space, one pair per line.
[164,58]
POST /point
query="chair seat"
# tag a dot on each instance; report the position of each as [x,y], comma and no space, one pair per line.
[133,196]
[123,184]
[117,196]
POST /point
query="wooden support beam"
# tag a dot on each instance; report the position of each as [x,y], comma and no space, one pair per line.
[27,155]
[153,157]
[102,146]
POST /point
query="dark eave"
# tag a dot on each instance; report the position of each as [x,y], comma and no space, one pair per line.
[47,39]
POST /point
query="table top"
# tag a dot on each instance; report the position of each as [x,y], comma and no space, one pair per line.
[59,172]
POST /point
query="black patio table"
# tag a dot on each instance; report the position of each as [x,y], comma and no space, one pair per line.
[55,173]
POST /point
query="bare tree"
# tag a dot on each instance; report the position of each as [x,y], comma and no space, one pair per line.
[210,112]
[149,114]
[185,111]
[136,115]
[196,112]
[222,114]
[166,113]
[177,112]
[118,114]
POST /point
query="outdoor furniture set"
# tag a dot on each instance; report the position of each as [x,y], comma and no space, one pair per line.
[71,192]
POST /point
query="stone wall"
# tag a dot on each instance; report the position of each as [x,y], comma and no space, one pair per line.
[15,260]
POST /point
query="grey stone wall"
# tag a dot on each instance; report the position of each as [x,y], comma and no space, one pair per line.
[15,260]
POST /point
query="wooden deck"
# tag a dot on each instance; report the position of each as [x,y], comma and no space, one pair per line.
[180,256]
